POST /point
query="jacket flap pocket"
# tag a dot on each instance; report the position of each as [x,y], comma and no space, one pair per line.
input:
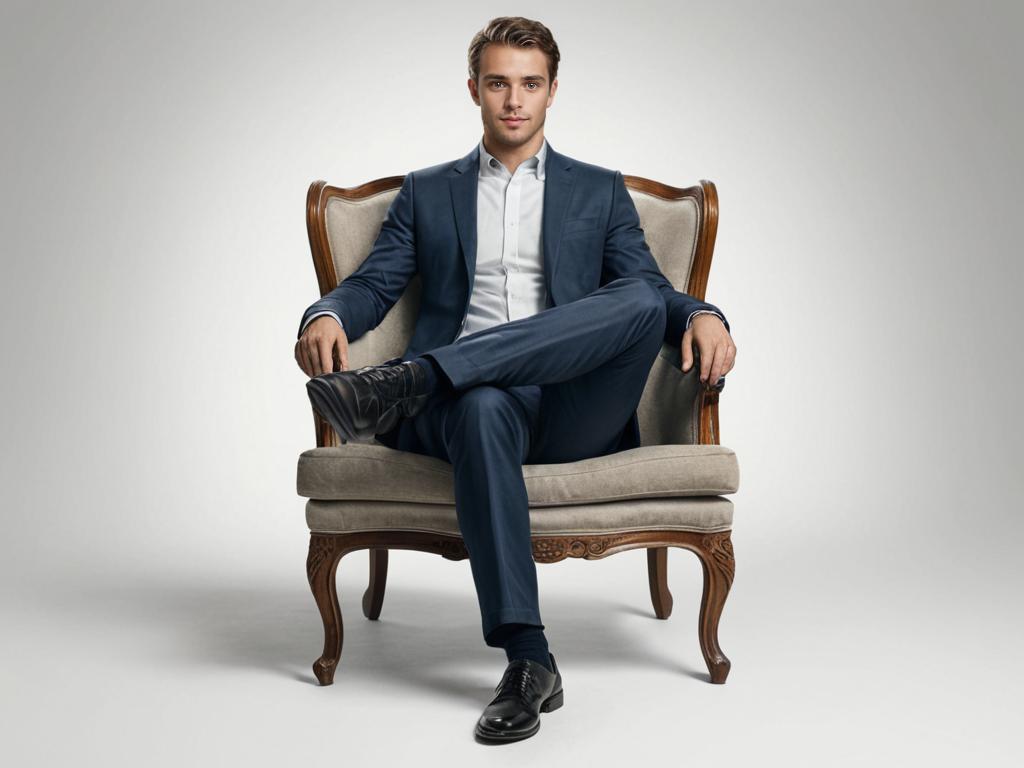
[572,225]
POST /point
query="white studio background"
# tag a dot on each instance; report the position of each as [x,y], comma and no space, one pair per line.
[155,159]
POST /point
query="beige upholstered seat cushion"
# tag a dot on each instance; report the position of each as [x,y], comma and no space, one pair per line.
[704,514]
[367,472]
[358,487]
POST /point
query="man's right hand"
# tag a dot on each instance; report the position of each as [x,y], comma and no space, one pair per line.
[322,346]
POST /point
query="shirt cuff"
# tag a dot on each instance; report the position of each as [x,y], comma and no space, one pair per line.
[320,314]
[701,312]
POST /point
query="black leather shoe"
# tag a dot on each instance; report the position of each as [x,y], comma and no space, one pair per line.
[526,689]
[370,400]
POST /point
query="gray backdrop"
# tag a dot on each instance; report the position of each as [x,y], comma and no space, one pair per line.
[155,160]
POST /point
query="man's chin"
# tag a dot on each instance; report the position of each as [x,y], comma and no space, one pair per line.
[515,136]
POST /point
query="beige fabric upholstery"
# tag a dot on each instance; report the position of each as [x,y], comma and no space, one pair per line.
[358,472]
[704,514]
[670,229]
[666,413]
[352,228]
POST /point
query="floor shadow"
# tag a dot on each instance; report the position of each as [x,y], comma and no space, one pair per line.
[425,637]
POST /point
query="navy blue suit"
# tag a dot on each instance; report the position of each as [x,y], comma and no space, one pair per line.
[558,386]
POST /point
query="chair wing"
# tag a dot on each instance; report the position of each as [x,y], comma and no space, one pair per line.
[343,225]
[679,226]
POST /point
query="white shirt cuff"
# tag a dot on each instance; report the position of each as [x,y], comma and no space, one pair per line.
[320,314]
[702,312]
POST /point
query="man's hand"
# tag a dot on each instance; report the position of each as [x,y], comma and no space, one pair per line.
[717,352]
[322,346]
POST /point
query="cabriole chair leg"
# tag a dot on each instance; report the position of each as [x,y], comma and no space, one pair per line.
[719,564]
[325,552]
[657,578]
[373,598]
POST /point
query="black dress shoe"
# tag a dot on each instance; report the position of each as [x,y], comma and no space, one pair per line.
[370,400]
[526,689]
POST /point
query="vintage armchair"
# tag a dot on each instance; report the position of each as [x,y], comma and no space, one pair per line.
[669,492]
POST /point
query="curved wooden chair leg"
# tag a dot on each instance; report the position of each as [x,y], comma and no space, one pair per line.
[657,578]
[325,551]
[716,557]
[373,597]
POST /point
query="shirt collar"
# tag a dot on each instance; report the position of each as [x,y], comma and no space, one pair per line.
[489,168]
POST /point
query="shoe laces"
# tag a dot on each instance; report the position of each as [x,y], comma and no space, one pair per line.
[516,680]
[392,381]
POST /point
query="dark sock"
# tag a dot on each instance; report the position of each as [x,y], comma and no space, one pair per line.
[436,378]
[525,641]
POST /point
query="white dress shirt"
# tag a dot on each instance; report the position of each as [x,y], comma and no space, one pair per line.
[509,280]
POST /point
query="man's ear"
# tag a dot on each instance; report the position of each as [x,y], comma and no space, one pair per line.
[473,94]
[554,87]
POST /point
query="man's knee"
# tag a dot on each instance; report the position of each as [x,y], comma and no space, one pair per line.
[484,398]
[642,297]
[482,407]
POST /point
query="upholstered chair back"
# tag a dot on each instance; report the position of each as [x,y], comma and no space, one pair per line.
[679,226]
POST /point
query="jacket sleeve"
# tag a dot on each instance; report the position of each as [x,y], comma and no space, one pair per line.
[363,298]
[626,254]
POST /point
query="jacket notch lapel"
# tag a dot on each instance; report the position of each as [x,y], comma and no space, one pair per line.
[559,183]
[462,184]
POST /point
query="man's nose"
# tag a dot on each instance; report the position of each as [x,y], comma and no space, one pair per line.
[514,100]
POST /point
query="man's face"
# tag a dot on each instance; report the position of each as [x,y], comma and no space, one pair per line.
[513,81]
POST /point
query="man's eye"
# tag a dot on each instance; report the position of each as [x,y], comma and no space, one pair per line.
[534,84]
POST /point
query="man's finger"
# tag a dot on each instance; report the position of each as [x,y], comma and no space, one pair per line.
[687,349]
[730,358]
[314,358]
[706,353]
[718,363]
[326,356]
[304,362]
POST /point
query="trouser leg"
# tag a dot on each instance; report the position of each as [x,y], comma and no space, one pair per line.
[557,344]
[484,432]
[584,416]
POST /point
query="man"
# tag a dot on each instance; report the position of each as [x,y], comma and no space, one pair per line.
[541,313]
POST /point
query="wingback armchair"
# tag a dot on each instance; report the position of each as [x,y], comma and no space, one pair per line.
[669,492]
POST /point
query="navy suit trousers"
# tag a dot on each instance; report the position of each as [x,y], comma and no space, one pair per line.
[555,387]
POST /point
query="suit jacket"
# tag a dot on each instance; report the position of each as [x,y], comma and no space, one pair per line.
[590,234]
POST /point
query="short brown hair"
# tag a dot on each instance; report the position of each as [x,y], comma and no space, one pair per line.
[515,31]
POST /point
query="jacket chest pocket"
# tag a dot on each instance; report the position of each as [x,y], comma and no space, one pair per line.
[587,224]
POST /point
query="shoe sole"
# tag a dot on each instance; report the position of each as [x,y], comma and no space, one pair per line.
[325,401]
[551,703]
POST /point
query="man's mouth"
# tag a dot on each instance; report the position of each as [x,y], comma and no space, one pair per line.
[513,120]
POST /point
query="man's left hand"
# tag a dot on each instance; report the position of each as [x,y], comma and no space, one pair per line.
[717,352]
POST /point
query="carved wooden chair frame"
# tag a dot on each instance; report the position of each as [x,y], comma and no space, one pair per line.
[714,550]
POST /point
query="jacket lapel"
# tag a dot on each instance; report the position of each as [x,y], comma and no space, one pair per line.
[559,182]
[462,184]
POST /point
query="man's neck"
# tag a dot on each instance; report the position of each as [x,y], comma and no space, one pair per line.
[511,157]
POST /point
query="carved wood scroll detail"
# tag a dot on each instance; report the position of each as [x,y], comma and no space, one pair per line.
[321,548]
[551,550]
[720,547]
